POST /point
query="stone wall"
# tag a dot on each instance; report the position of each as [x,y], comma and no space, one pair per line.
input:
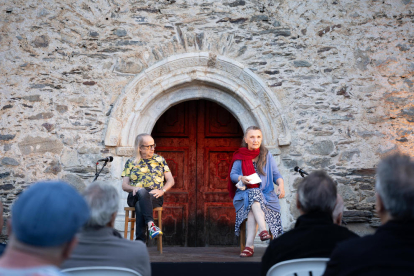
[342,71]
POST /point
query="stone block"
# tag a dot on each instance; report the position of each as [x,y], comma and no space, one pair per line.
[4,175]
[7,137]
[54,168]
[41,116]
[129,67]
[349,154]
[260,17]
[408,114]
[32,98]
[289,163]
[361,59]
[319,163]
[6,187]
[347,193]
[277,32]
[88,150]
[120,32]
[75,181]
[41,41]
[8,161]
[301,63]
[236,3]
[324,147]
[69,158]
[61,108]
[37,145]
[48,127]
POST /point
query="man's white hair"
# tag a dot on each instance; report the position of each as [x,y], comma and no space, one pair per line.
[103,200]
[395,186]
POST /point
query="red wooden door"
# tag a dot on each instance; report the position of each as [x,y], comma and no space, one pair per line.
[198,138]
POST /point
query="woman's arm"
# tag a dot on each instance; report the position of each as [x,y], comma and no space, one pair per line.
[278,179]
[236,173]
[281,187]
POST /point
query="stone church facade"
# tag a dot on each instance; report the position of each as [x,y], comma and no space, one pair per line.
[329,82]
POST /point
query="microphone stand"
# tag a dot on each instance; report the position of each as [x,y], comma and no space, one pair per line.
[96,170]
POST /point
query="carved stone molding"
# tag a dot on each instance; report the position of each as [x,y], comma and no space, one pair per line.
[195,76]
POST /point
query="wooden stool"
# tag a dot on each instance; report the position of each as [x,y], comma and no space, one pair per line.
[243,235]
[132,220]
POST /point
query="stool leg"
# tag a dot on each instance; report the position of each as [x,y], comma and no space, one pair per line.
[160,236]
[126,223]
[131,234]
[243,235]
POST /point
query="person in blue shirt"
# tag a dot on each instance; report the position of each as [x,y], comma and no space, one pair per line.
[256,202]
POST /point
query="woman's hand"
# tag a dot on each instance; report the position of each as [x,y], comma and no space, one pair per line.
[244,180]
[280,187]
[281,191]
[157,193]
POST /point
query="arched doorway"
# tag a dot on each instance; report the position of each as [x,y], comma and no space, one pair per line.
[198,138]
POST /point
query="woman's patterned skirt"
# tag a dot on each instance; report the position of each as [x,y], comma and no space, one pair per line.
[272,218]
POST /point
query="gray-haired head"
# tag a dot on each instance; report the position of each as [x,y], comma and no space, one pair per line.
[317,192]
[395,186]
[103,200]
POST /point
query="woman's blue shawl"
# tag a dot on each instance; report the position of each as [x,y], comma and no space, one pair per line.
[241,198]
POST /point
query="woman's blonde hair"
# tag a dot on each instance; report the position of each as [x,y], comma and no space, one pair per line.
[138,143]
[261,161]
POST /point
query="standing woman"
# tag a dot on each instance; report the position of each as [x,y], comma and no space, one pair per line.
[258,202]
[143,179]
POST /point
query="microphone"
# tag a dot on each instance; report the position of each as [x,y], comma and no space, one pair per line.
[106,159]
[299,170]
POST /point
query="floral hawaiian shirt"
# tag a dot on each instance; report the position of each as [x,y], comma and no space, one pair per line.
[148,173]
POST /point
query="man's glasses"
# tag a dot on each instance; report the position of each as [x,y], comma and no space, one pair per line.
[148,147]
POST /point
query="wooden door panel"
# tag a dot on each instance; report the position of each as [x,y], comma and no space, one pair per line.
[174,122]
[174,224]
[217,168]
[175,137]
[219,224]
[219,122]
[178,162]
[216,144]
[220,216]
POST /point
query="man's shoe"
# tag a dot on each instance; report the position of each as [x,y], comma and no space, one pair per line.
[154,231]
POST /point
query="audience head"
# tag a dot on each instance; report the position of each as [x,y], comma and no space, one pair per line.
[339,210]
[45,219]
[102,199]
[395,188]
[316,192]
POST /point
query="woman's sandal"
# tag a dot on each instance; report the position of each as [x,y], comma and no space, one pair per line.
[247,252]
[264,236]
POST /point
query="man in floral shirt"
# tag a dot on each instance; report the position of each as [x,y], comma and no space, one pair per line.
[143,178]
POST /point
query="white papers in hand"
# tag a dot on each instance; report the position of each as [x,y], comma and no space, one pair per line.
[253,178]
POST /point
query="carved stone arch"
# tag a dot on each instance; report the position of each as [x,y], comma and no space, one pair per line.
[195,76]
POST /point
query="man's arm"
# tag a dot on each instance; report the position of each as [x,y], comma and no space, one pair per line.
[168,185]
[128,188]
